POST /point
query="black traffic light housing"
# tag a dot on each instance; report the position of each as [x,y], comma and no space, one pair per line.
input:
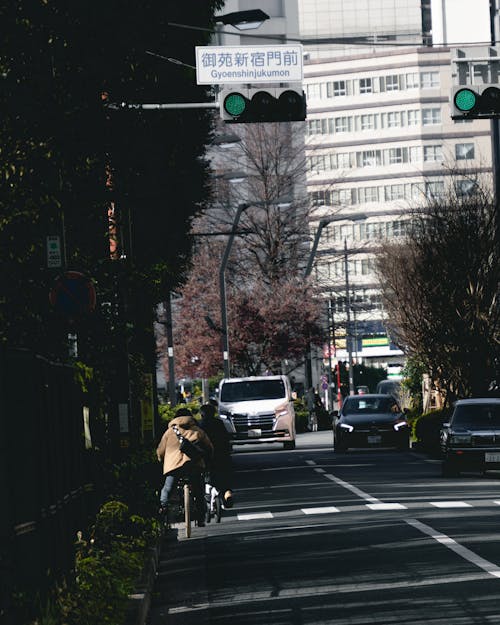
[274,104]
[475,102]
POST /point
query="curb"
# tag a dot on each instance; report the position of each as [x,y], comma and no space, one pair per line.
[139,601]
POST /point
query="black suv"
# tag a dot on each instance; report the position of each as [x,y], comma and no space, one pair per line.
[471,440]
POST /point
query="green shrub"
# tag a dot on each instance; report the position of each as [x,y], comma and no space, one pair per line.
[301,415]
[427,427]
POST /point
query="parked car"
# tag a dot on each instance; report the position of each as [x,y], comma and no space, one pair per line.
[370,420]
[471,439]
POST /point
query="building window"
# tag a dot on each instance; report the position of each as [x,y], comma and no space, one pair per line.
[313,91]
[392,82]
[393,119]
[413,118]
[398,155]
[369,158]
[466,188]
[343,160]
[412,80]
[367,122]
[365,85]
[464,151]
[434,190]
[394,192]
[431,116]
[336,88]
[317,126]
[433,153]
[368,194]
[429,80]
[343,124]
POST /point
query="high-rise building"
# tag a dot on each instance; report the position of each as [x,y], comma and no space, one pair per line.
[379,140]
[378,137]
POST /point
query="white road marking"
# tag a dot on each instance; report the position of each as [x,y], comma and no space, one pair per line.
[352,488]
[319,470]
[466,554]
[255,515]
[450,504]
[386,506]
[323,510]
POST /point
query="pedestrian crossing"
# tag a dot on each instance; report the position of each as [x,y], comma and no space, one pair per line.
[356,508]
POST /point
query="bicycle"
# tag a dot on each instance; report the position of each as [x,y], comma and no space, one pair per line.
[186,504]
[214,503]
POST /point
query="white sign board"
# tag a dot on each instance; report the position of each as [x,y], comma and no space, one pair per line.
[248,64]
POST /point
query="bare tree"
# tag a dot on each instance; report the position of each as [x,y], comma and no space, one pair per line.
[440,288]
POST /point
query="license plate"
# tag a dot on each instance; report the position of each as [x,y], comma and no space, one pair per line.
[254,433]
[491,457]
[373,440]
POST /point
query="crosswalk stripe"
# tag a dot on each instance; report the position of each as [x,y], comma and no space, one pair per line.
[256,515]
[386,506]
[323,510]
[450,504]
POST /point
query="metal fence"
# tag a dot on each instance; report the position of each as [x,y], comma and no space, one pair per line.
[46,486]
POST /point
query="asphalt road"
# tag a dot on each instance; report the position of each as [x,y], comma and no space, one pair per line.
[366,537]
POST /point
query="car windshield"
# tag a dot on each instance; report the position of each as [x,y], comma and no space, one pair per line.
[477,415]
[251,390]
[372,405]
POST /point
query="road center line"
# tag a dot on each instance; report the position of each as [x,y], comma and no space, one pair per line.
[463,552]
[352,488]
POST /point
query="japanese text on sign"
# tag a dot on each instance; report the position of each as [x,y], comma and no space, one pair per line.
[247,64]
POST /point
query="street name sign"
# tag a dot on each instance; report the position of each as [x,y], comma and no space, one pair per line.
[249,64]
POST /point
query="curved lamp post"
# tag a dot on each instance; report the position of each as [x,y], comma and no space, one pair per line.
[324,222]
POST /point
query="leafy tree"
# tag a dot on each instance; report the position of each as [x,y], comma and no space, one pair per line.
[66,158]
[267,325]
[440,289]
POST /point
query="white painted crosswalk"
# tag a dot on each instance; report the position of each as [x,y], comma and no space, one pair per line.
[375,507]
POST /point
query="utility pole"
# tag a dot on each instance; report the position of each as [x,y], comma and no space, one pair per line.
[348,334]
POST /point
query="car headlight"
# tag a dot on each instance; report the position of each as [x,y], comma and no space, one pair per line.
[347,427]
[461,439]
[399,425]
[224,415]
[282,413]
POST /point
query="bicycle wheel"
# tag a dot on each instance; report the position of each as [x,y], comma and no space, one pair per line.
[218,508]
[187,510]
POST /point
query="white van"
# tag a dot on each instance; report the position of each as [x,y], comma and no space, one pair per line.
[258,409]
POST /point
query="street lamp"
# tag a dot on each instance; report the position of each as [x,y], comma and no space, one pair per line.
[280,202]
[243,20]
[322,224]
[222,283]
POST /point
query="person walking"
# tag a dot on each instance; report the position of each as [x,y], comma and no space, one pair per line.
[220,467]
[177,464]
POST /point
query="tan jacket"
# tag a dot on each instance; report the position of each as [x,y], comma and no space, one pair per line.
[169,448]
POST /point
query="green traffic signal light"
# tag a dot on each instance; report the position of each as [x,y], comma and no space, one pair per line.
[235,104]
[465,100]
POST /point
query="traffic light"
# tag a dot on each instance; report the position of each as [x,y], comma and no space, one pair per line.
[475,102]
[276,104]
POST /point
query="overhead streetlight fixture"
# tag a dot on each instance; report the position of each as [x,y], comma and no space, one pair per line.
[243,20]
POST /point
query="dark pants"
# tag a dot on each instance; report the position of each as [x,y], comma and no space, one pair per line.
[195,476]
[220,476]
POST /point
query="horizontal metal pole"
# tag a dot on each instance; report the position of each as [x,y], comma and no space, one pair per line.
[159,107]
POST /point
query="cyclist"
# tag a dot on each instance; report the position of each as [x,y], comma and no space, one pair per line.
[177,464]
[220,466]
